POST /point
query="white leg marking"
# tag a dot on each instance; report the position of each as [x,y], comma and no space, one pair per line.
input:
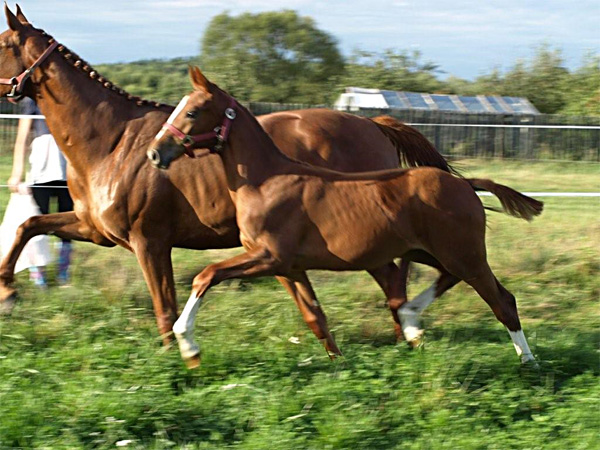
[178,109]
[423,300]
[521,346]
[409,313]
[184,327]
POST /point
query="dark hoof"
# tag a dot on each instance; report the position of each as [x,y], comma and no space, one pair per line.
[8,304]
[334,355]
[530,364]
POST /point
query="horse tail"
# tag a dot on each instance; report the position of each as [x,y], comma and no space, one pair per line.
[413,148]
[513,203]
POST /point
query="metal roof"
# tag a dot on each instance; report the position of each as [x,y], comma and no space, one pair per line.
[379,98]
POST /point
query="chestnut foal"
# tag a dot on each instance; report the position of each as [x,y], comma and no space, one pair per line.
[293,217]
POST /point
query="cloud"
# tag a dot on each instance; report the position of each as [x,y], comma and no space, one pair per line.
[465,36]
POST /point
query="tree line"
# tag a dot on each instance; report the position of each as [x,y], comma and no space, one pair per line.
[282,57]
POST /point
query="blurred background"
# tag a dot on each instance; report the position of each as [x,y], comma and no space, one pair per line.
[506,90]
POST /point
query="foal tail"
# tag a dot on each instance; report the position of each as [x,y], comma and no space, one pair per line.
[414,150]
[513,203]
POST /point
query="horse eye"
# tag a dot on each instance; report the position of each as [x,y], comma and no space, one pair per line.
[192,114]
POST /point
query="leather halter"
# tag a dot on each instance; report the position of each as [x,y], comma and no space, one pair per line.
[220,133]
[17,82]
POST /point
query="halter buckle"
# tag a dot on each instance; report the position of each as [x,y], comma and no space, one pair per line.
[187,140]
[230,113]
[14,95]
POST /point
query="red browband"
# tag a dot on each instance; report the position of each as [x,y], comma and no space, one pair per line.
[220,133]
[18,81]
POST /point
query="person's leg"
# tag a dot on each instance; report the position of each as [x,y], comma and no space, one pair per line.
[65,204]
[41,195]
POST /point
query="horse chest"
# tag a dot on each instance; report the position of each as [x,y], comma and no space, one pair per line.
[106,209]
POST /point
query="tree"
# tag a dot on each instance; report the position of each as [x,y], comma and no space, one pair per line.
[391,70]
[541,80]
[582,88]
[271,56]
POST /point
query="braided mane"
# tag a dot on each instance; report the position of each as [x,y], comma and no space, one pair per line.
[74,60]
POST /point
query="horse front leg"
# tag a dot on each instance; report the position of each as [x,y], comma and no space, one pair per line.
[65,225]
[392,281]
[154,258]
[255,263]
[301,290]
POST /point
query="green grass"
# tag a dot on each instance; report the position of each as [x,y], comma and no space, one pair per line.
[83,367]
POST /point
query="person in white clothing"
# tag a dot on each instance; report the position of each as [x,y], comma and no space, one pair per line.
[47,176]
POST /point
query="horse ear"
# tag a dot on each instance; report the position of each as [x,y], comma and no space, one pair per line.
[20,15]
[199,81]
[13,23]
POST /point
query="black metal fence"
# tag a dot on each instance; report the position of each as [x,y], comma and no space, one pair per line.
[552,137]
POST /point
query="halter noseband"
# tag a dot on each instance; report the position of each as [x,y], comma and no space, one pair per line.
[220,133]
[17,82]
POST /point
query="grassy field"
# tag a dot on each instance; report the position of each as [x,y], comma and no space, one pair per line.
[82,367]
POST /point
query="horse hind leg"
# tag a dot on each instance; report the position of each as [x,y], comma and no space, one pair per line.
[504,306]
[410,312]
[393,282]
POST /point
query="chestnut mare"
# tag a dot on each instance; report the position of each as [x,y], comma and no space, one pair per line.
[294,217]
[121,200]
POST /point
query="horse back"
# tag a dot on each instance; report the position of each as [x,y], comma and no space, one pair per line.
[331,139]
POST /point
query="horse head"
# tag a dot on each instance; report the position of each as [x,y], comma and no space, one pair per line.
[202,119]
[22,49]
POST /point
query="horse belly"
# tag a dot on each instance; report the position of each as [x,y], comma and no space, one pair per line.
[350,245]
[349,254]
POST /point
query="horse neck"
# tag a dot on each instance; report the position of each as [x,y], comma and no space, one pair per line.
[85,118]
[250,156]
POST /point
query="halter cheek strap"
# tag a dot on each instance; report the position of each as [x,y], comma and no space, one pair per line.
[220,134]
[17,82]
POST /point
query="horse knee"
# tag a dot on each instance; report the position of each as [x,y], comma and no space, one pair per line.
[26,226]
[204,279]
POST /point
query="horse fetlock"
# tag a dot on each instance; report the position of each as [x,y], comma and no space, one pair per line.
[410,325]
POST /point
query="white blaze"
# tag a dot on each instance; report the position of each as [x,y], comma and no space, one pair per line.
[178,109]
[173,115]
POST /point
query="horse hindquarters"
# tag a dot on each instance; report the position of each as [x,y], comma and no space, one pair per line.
[454,221]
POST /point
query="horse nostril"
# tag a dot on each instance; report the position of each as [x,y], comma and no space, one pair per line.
[153,156]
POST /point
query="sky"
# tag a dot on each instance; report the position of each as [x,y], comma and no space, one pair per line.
[465,38]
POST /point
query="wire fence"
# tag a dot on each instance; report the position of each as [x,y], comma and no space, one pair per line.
[485,135]
[455,135]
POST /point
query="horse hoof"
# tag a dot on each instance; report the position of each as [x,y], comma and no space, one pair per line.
[530,364]
[416,342]
[193,362]
[8,304]
[334,354]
